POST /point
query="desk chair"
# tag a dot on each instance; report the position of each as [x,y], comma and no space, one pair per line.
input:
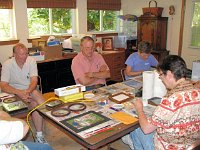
[123,74]
[194,146]
[39,86]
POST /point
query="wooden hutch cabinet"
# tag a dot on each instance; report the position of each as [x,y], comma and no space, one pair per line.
[154,30]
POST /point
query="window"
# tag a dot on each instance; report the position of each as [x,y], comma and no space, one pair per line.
[6,20]
[102,15]
[195,26]
[42,21]
[102,20]
[50,16]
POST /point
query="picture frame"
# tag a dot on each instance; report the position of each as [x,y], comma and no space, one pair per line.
[107,43]
[60,112]
[120,97]
[84,121]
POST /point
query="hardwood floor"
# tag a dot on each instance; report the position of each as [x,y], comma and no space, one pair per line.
[60,141]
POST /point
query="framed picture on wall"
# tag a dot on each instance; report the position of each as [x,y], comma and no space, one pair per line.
[107,43]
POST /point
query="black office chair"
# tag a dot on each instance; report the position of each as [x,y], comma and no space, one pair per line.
[123,74]
[39,85]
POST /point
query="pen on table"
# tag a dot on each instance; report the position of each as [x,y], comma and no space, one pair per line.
[98,130]
[104,129]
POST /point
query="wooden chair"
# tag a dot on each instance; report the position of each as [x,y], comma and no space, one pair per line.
[123,74]
[194,146]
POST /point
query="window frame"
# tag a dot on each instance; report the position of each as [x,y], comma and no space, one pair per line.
[101,23]
[12,27]
[191,20]
[73,26]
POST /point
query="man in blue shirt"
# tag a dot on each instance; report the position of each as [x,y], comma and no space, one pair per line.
[140,61]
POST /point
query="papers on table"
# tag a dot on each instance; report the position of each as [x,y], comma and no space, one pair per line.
[148,110]
[5,95]
[124,117]
[133,83]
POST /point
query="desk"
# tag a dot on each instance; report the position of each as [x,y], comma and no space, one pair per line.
[95,141]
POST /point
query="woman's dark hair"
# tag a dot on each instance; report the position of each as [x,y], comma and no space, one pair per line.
[175,64]
[144,47]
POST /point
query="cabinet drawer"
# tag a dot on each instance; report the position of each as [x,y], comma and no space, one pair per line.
[118,65]
[119,56]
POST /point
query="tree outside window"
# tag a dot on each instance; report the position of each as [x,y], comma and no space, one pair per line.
[42,21]
[195,37]
[102,20]
[6,24]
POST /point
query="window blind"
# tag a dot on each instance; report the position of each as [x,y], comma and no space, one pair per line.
[51,3]
[6,4]
[104,5]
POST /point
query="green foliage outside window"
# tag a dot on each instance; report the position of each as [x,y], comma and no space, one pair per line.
[5,25]
[195,40]
[39,21]
[108,21]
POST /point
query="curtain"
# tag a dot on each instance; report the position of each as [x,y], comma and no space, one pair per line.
[104,5]
[51,3]
[6,4]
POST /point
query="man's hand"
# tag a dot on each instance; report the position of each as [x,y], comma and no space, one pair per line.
[103,68]
[89,74]
[24,95]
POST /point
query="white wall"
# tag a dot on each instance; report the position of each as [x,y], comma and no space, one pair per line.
[128,7]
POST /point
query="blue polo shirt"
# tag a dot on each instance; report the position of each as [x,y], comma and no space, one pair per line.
[138,64]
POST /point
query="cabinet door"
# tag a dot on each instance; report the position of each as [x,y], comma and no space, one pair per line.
[64,73]
[147,31]
[47,72]
[48,79]
[153,30]
[65,78]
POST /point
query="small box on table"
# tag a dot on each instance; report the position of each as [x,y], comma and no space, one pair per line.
[70,92]
[73,89]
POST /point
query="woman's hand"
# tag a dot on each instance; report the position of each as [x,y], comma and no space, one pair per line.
[138,105]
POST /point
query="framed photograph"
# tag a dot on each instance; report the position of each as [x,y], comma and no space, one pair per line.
[107,43]
[84,121]
[120,97]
